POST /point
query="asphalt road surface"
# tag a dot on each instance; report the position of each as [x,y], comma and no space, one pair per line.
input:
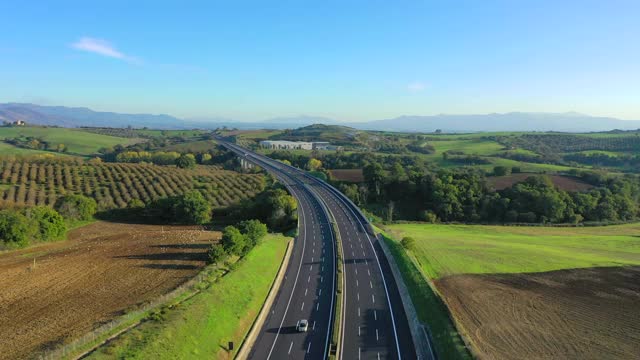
[375,325]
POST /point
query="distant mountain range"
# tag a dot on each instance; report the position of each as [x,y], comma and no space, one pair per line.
[514,121]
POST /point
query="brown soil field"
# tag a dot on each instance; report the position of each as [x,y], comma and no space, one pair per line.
[565,183]
[348,175]
[100,272]
[589,313]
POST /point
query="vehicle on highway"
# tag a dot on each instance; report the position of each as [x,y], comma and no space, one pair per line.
[302,326]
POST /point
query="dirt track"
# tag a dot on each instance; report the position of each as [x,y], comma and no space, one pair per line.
[104,269]
[568,314]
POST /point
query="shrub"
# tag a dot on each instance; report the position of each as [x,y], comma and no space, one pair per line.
[408,243]
[217,254]
[14,228]
[47,223]
[501,171]
[186,161]
[233,241]
[254,230]
[76,207]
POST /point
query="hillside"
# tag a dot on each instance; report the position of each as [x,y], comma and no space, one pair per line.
[75,141]
[319,132]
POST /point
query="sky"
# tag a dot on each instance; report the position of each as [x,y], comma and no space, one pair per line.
[347,60]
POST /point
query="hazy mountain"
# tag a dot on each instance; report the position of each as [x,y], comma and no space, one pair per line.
[76,116]
[515,121]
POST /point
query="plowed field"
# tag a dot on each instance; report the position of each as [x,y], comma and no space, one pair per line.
[101,271]
[591,313]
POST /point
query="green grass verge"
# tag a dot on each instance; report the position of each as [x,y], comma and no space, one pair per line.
[202,326]
[443,250]
[429,307]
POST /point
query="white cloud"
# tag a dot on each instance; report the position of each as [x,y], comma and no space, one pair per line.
[102,47]
[416,86]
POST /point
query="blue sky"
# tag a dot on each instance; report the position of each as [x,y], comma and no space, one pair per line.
[349,60]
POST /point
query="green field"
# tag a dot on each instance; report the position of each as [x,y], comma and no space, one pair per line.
[476,249]
[202,326]
[78,142]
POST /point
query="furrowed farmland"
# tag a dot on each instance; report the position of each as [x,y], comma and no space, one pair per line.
[114,185]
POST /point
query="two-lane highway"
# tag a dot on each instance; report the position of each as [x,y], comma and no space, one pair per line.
[374,325]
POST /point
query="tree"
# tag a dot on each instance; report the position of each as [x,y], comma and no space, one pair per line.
[501,171]
[233,241]
[205,158]
[217,254]
[192,208]
[14,228]
[254,231]
[314,164]
[186,161]
[408,243]
[76,207]
[48,223]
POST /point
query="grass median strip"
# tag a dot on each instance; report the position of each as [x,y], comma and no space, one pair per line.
[203,325]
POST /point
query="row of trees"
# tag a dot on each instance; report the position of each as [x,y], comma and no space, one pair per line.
[36,143]
[415,193]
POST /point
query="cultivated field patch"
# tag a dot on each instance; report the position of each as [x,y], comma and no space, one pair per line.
[566,183]
[114,185]
[589,313]
[347,175]
[534,292]
[103,270]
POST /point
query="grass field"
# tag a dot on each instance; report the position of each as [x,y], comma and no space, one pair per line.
[476,249]
[78,142]
[202,326]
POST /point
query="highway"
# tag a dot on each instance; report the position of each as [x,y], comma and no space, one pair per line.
[374,323]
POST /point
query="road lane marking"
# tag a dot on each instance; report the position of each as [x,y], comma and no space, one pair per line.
[314,325]
[376,334]
[375,315]
[373,297]
[358,296]
[305,291]
[317,306]
[290,346]
[309,347]
[358,330]
[302,307]
[357,283]
[358,310]
[370,284]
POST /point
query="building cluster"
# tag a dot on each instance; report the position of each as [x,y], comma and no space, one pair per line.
[297,145]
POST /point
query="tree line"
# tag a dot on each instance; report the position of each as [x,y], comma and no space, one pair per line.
[20,227]
[462,195]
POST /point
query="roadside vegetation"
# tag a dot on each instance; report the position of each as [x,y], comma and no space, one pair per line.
[203,325]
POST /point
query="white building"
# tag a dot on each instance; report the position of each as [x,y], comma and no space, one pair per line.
[286,145]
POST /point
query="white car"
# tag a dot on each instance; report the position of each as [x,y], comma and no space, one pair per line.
[302,326]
